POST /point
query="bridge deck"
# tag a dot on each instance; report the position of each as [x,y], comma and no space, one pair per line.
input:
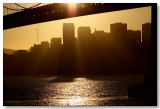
[58,11]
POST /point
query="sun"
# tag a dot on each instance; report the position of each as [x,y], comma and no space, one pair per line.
[72,8]
[72,5]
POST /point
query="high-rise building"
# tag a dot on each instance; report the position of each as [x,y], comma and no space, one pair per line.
[36,48]
[55,42]
[100,34]
[134,36]
[146,35]
[68,58]
[138,34]
[20,52]
[45,45]
[84,33]
[118,31]
[68,37]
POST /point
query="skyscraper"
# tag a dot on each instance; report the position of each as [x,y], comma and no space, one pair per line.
[118,31]
[84,33]
[55,42]
[134,36]
[68,37]
[100,34]
[68,48]
[45,45]
[146,35]
[56,46]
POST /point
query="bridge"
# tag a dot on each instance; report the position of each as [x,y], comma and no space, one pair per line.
[55,11]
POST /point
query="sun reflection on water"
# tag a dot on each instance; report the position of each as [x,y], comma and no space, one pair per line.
[71,91]
[80,93]
[80,79]
[76,94]
[84,92]
[74,101]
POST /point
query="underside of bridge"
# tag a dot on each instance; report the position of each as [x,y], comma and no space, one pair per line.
[58,11]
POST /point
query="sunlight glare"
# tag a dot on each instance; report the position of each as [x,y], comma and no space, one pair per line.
[72,5]
[72,9]
[76,101]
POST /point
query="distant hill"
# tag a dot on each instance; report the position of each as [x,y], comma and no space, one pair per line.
[8,51]
[11,51]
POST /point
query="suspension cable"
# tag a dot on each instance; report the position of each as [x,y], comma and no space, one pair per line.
[19,5]
[12,8]
[24,8]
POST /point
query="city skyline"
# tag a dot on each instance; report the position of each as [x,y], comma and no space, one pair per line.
[24,37]
[106,59]
[86,54]
[81,29]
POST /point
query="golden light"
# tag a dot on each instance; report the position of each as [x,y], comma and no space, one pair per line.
[72,9]
[76,101]
[72,5]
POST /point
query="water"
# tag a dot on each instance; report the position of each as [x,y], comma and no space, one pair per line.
[69,91]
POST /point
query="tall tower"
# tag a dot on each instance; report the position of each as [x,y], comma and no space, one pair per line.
[84,33]
[68,37]
[146,35]
[118,31]
[68,63]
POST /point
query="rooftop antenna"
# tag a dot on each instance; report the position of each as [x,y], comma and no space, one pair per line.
[37,34]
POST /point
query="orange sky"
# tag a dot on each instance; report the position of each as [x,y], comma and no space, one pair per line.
[24,37]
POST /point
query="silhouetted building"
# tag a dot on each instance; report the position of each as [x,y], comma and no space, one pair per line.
[146,35]
[45,45]
[84,37]
[134,36]
[8,51]
[55,55]
[118,31]
[35,48]
[108,35]
[68,58]
[100,38]
[139,37]
[20,52]
[31,48]
[68,37]
[100,34]
[84,33]
[56,47]
[55,42]
[96,53]
[146,44]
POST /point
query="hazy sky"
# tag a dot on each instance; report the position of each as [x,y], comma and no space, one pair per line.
[24,37]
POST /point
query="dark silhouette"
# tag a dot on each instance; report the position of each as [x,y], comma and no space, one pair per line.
[58,11]
[8,51]
[118,52]
[68,55]
[94,55]
[148,90]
